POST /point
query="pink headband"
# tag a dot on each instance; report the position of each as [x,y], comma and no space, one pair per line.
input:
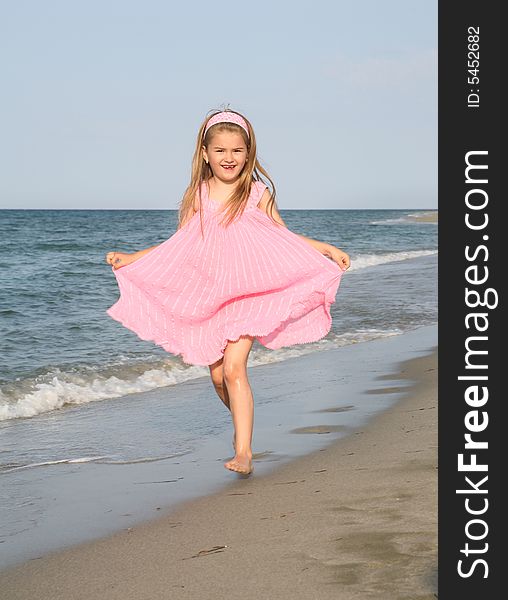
[227,117]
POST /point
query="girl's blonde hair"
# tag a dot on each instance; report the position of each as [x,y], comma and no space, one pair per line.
[201,172]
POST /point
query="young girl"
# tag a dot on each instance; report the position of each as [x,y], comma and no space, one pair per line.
[231,273]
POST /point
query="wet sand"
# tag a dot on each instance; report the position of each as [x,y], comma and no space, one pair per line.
[354,520]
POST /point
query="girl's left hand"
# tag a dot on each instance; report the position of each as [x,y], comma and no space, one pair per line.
[340,257]
[120,259]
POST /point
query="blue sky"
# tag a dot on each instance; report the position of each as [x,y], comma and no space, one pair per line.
[101,100]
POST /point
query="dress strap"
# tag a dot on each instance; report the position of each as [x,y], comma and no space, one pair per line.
[258,188]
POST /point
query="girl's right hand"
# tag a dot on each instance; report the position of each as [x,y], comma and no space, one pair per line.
[120,259]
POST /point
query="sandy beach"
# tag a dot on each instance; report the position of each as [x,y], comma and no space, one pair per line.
[426,217]
[356,519]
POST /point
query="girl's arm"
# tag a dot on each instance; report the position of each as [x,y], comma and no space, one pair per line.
[336,254]
[141,253]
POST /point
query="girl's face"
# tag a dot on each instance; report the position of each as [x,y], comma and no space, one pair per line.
[226,154]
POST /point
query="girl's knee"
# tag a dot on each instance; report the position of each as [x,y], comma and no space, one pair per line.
[234,371]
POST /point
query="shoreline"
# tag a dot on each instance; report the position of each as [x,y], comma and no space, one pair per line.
[354,519]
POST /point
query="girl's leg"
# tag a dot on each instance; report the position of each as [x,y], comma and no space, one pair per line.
[240,400]
[217,374]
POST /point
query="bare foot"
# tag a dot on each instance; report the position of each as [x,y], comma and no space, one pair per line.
[240,464]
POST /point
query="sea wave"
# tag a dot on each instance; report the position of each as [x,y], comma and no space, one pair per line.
[104,460]
[59,389]
[363,261]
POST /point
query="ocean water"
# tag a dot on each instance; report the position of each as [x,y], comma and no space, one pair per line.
[60,351]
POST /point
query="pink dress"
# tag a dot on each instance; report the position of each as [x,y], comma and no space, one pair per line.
[254,277]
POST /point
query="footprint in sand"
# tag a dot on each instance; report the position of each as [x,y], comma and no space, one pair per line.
[335,409]
[389,390]
[319,429]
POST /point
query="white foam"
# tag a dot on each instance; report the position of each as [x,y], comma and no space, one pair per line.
[108,460]
[390,221]
[71,389]
[261,357]
[83,459]
[363,261]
